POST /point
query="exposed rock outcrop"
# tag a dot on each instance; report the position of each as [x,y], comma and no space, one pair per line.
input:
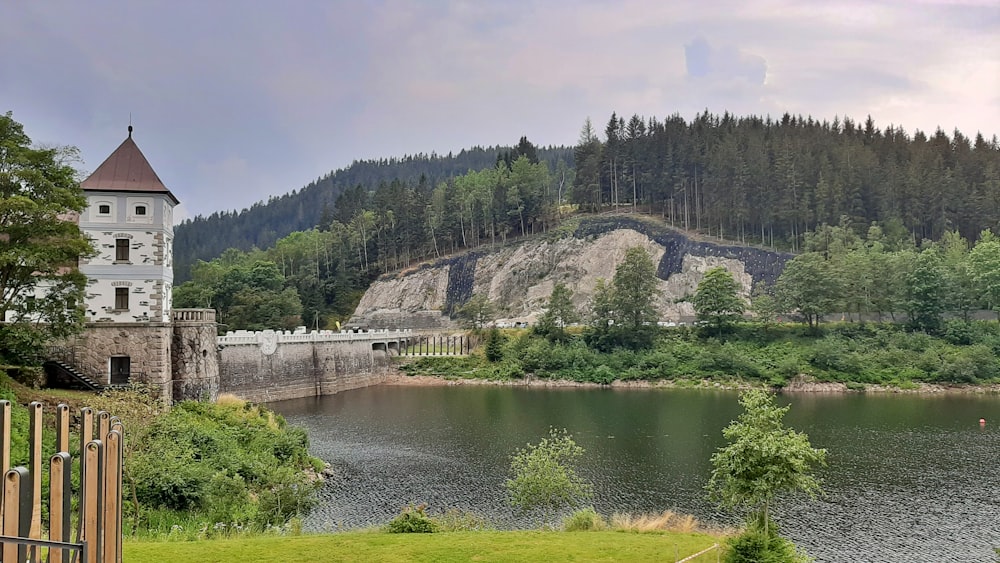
[519,278]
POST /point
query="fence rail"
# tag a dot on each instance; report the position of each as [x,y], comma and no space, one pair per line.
[97,513]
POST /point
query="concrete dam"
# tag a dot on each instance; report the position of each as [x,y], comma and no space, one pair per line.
[272,366]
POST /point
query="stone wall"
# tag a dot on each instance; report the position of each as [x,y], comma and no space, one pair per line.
[195,358]
[294,370]
[148,347]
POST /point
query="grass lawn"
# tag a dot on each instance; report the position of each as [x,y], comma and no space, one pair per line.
[439,547]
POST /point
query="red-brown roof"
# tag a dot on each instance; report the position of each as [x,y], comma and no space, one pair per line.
[126,170]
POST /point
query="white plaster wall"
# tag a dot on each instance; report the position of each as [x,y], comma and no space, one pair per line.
[145,300]
[148,272]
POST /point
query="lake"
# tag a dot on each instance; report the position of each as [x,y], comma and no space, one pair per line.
[910,478]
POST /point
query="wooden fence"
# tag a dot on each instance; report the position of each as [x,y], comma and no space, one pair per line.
[92,533]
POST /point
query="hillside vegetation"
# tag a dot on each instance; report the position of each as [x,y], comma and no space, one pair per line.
[749,179]
[262,224]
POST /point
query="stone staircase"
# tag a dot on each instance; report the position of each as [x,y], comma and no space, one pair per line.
[65,375]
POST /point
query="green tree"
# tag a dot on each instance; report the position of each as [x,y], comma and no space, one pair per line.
[763,458]
[925,292]
[717,300]
[807,286]
[764,306]
[984,264]
[246,291]
[493,348]
[559,312]
[41,289]
[543,476]
[478,311]
[634,289]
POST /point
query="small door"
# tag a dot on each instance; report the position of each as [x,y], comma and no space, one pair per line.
[121,367]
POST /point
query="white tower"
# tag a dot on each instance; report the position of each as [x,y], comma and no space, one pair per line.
[129,216]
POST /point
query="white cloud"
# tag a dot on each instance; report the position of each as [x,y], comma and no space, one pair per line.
[232,105]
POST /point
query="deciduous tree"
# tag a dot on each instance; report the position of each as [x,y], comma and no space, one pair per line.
[41,290]
[717,300]
[543,476]
[762,459]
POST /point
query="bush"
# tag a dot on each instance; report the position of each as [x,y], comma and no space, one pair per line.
[584,520]
[455,520]
[494,345]
[232,463]
[760,543]
[413,520]
[968,365]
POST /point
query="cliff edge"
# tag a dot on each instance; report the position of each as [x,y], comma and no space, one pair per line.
[519,278]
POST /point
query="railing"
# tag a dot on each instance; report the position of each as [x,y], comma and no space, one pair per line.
[247,337]
[98,514]
[193,315]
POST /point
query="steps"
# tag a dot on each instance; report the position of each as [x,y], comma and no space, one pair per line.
[66,375]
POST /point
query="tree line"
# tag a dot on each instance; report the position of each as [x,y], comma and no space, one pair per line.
[758,179]
[264,223]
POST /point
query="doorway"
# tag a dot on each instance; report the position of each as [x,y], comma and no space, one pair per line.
[121,369]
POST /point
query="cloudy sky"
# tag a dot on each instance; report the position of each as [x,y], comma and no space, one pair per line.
[236,100]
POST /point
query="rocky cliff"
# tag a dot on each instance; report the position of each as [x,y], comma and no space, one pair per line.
[519,278]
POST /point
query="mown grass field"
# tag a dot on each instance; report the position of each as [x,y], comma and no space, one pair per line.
[440,547]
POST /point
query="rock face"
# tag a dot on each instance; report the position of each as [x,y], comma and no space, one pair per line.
[518,279]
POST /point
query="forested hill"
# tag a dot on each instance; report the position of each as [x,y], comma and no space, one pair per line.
[264,223]
[753,178]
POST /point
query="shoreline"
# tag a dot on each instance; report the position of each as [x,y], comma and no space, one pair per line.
[797,385]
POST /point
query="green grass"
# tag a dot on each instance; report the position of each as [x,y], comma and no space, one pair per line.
[440,547]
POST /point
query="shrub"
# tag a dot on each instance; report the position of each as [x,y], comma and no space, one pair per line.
[760,543]
[968,365]
[494,345]
[455,520]
[584,520]
[412,520]
[959,332]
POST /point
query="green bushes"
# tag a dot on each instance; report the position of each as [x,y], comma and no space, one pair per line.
[415,520]
[762,544]
[584,520]
[873,353]
[232,463]
[412,520]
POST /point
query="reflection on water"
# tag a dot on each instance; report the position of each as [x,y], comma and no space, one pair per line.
[910,478]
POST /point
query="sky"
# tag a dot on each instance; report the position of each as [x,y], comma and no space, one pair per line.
[234,101]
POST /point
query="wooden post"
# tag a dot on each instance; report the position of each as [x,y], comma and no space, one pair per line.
[116,426]
[5,428]
[17,511]
[35,469]
[90,498]
[62,428]
[60,505]
[112,495]
[4,444]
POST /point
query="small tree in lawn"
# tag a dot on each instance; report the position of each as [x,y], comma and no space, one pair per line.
[763,458]
[717,300]
[543,476]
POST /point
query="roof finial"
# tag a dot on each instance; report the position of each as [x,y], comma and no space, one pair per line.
[129,125]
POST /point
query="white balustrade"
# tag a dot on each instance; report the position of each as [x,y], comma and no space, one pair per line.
[246,337]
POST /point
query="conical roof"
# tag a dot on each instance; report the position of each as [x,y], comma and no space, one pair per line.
[126,170]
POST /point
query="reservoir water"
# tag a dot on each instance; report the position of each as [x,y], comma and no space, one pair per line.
[910,478]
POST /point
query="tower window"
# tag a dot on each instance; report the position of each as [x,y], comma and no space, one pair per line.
[121,250]
[121,298]
[140,209]
[104,209]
